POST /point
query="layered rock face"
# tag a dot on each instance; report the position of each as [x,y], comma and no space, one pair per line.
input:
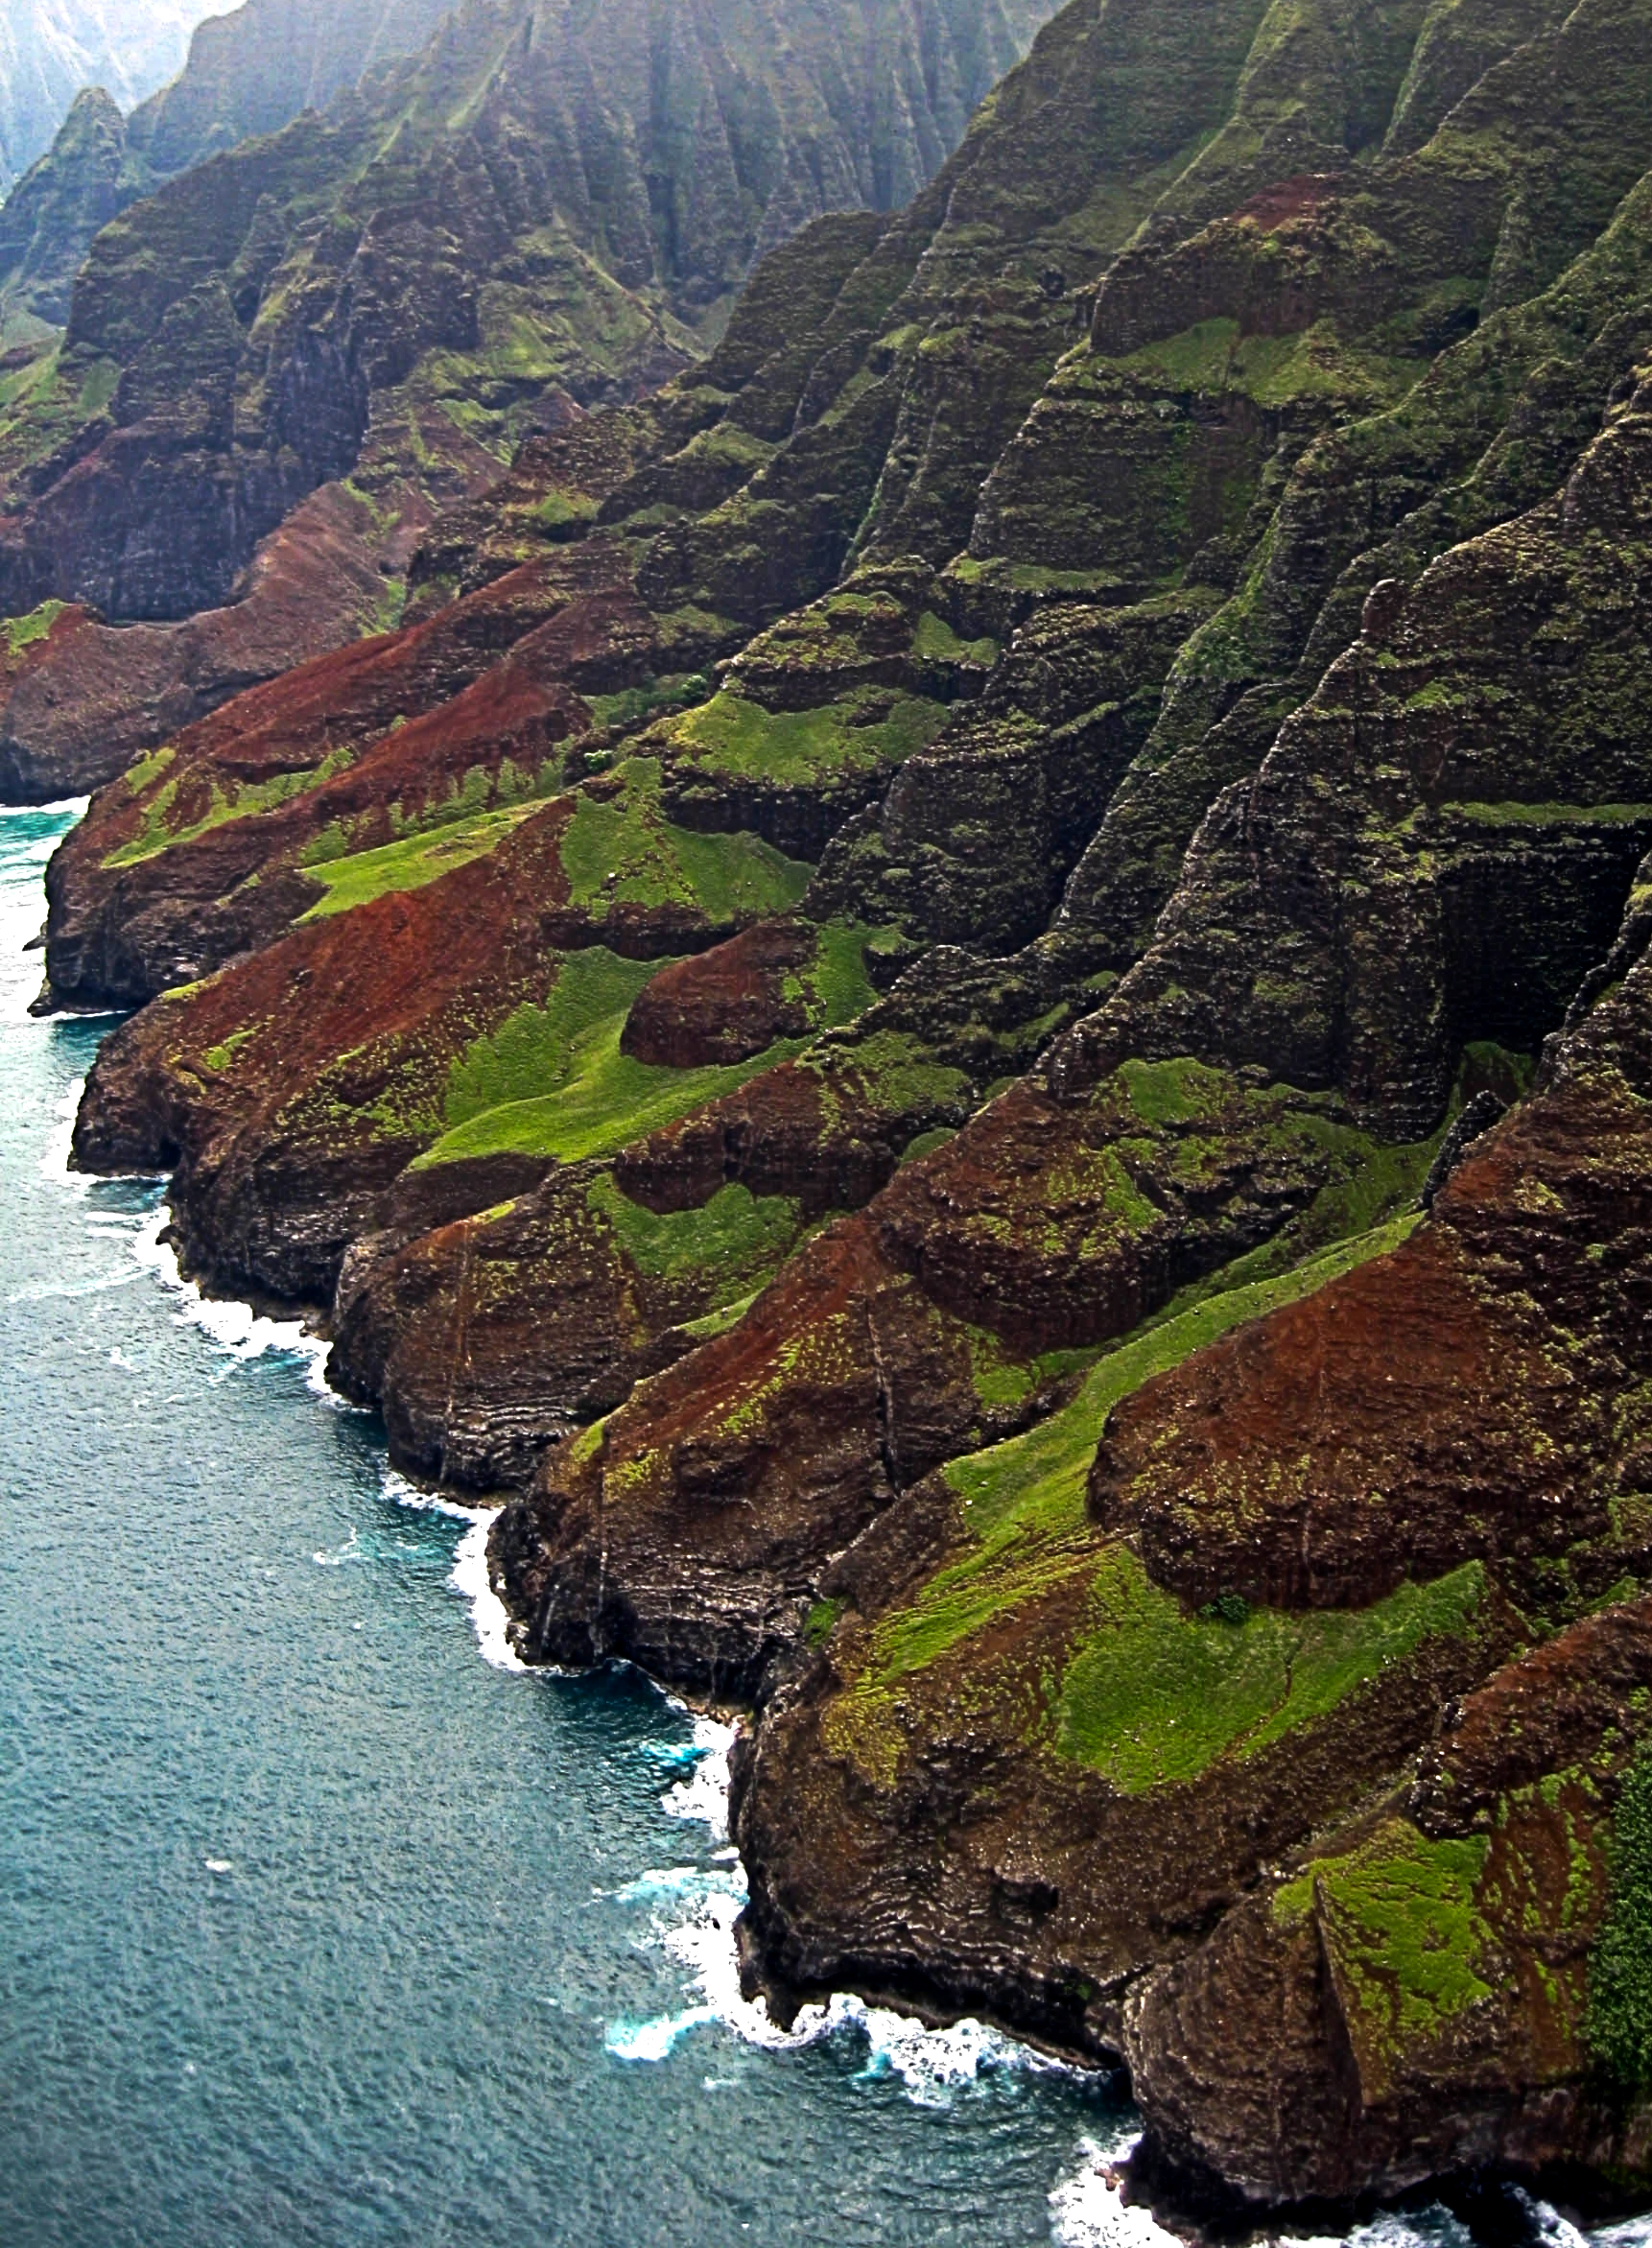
[968,1001]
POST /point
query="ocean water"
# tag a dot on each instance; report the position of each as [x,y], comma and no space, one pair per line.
[321,1922]
[317,1925]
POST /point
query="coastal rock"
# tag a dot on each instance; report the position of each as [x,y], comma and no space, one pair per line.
[1418,1997]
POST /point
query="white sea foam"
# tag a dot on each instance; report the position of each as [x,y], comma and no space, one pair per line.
[50,1290]
[489,1615]
[702,1793]
[1430,2227]
[1634,2232]
[1087,2206]
[674,1755]
[350,1551]
[233,1327]
[469,1576]
[697,1908]
[405,1494]
[63,807]
[693,1910]
[666,1885]
[653,2041]
[55,1157]
[241,1334]
[1559,2231]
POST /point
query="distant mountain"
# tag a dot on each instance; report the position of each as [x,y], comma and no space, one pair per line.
[50,49]
[547,209]
[247,72]
[84,179]
[254,70]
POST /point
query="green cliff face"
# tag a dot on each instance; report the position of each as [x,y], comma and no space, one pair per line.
[85,179]
[968,995]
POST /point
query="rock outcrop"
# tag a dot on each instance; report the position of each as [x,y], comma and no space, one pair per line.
[51,215]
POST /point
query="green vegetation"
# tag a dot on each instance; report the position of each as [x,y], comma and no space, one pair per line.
[1402,1921]
[1036,1481]
[1524,814]
[1146,1694]
[926,1142]
[412,862]
[866,730]
[733,1236]
[835,983]
[936,642]
[621,850]
[22,633]
[1033,577]
[1372,1181]
[241,801]
[895,1075]
[821,1620]
[727,446]
[632,707]
[1274,370]
[1181,1091]
[563,513]
[711,1324]
[144,772]
[1618,2025]
[998,1376]
[1024,1500]
[221,1057]
[480,790]
[1151,1696]
[387,610]
[552,1080]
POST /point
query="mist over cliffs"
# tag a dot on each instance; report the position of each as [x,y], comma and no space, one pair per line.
[50,49]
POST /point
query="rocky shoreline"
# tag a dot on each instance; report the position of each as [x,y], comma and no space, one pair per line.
[966,1000]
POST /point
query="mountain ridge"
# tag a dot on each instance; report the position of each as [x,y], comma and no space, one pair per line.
[50,49]
[966,1002]
[373,296]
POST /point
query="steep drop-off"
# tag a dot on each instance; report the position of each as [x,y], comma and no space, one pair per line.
[966,999]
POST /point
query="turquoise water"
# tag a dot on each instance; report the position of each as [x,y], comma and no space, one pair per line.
[316,1926]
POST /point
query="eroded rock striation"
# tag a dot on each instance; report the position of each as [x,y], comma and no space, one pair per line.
[967,1001]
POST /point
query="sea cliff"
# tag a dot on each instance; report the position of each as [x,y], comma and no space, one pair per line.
[966,1001]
